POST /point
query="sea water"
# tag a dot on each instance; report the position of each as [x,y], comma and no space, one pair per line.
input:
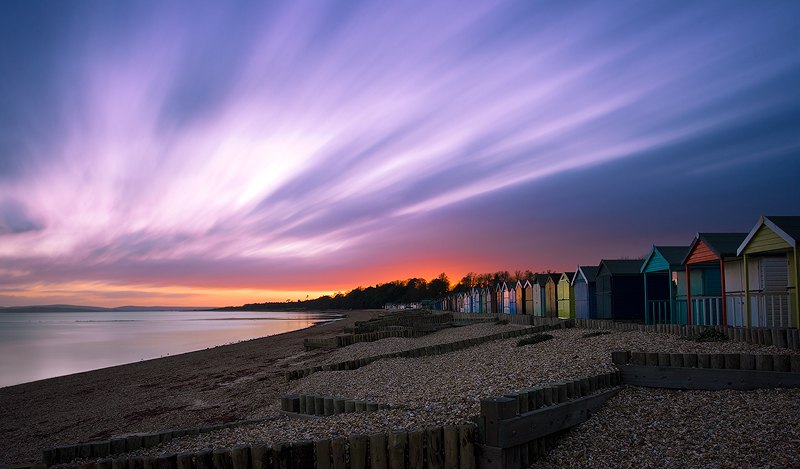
[36,346]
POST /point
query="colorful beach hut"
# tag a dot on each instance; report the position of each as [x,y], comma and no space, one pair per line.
[711,288]
[583,284]
[620,289]
[660,270]
[539,296]
[771,248]
[527,295]
[551,289]
[520,297]
[566,296]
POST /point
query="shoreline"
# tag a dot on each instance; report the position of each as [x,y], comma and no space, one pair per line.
[320,318]
[203,387]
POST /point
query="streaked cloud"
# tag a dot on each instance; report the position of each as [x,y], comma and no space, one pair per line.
[320,142]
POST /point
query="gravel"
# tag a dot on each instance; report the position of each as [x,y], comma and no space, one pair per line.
[638,428]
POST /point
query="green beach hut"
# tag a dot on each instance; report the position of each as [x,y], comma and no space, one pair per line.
[566,296]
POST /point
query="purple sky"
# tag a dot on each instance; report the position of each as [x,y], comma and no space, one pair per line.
[218,153]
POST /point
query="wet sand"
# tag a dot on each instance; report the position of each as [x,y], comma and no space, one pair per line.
[207,387]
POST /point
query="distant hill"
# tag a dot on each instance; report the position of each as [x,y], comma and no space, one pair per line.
[78,309]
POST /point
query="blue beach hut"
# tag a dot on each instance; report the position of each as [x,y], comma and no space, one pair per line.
[660,270]
[583,284]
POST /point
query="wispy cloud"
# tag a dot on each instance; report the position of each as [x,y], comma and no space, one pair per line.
[311,131]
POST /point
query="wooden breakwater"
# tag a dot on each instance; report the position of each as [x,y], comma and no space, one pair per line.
[419,320]
[708,371]
[517,428]
[350,339]
[307,405]
[115,446]
[449,446]
[430,350]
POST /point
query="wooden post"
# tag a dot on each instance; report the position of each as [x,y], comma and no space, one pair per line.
[221,456]
[323,454]
[451,447]
[184,460]
[466,448]
[169,461]
[240,457]
[281,455]
[203,459]
[494,410]
[377,451]
[338,453]
[416,449]
[747,361]
[260,456]
[397,449]
[358,451]
[434,447]
[303,454]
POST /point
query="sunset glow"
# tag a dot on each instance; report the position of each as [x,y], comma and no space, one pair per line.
[223,153]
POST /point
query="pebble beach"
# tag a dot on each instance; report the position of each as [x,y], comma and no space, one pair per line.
[639,428]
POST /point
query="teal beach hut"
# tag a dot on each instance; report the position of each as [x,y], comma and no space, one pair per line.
[660,270]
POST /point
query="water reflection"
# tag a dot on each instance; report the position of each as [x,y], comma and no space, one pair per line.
[36,346]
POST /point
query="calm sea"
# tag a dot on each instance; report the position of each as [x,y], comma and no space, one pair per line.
[36,346]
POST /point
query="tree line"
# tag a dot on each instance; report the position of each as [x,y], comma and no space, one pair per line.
[412,290]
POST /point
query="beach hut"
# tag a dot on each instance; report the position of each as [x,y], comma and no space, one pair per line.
[771,248]
[520,296]
[539,296]
[583,284]
[551,288]
[566,296]
[496,301]
[486,300]
[711,283]
[620,289]
[660,270]
[511,293]
[527,292]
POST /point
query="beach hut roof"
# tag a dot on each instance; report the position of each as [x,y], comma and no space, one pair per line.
[588,272]
[527,284]
[788,228]
[673,255]
[554,277]
[621,266]
[721,244]
[568,276]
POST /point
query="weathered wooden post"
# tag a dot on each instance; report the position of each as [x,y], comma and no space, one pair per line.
[185,460]
[323,452]
[303,454]
[377,451]
[451,447]
[434,447]
[240,457]
[222,459]
[281,455]
[397,449]
[338,453]
[466,449]
[203,459]
[416,449]
[358,451]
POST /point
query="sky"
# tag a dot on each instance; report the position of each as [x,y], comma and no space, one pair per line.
[221,153]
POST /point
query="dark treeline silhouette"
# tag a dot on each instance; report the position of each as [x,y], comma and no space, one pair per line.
[399,291]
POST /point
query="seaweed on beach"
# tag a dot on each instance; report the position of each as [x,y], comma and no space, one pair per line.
[595,334]
[709,335]
[534,339]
